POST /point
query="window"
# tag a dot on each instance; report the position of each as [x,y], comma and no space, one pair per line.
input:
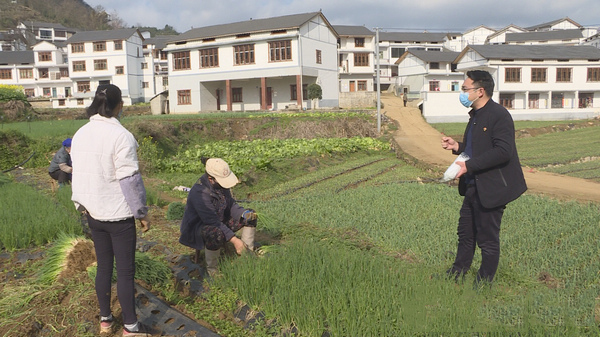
[359,42]
[319,59]
[77,48]
[80,101]
[60,33]
[5,74]
[100,46]
[243,54]
[434,65]
[163,55]
[294,91]
[83,86]
[593,74]
[361,59]
[455,86]
[118,44]
[29,92]
[534,101]
[119,70]
[512,75]
[557,100]
[184,97]
[26,73]
[61,102]
[43,72]
[586,100]
[100,64]
[563,75]
[209,58]
[538,74]
[280,50]
[45,34]
[236,95]
[434,85]
[45,56]
[507,100]
[362,86]
[78,66]
[46,91]
[165,81]
[397,52]
[145,85]
[64,72]
[181,60]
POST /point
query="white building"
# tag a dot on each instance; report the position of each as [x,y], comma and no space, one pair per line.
[499,37]
[563,36]
[51,71]
[534,82]
[258,64]
[356,49]
[103,57]
[392,46]
[431,77]
[45,31]
[156,72]
[17,68]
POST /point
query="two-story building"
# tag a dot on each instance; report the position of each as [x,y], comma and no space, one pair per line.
[103,57]
[45,31]
[258,64]
[157,60]
[534,82]
[17,68]
[392,46]
[51,71]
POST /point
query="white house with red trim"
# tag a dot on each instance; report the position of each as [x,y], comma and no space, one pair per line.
[258,64]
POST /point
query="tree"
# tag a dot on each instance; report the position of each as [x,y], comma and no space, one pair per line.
[314,92]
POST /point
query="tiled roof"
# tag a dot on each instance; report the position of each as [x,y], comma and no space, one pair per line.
[39,24]
[160,41]
[562,34]
[548,25]
[16,57]
[434,56]
[243,27]
[412,37]
[101,35]
[353,30]
[536,52]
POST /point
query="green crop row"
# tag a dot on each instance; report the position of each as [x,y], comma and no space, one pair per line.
[559,147]
[259,154]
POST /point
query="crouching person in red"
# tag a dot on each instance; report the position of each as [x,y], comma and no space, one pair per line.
[212,216]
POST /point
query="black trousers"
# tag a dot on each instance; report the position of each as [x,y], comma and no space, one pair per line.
[61,176]
[481,226]
[115,241]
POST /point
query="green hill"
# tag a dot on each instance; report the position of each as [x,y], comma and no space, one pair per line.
[70,13]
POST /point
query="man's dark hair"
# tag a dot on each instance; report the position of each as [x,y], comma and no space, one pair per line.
[108,97]
[482,79]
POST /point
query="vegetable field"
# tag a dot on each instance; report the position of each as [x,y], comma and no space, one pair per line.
[352,241]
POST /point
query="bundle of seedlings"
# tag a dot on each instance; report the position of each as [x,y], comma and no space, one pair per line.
[68,255]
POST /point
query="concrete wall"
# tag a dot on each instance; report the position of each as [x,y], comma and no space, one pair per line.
[358,99]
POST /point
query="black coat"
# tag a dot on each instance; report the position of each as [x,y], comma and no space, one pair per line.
[495,163]
[200,211]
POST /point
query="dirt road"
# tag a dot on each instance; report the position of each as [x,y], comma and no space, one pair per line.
[420,140]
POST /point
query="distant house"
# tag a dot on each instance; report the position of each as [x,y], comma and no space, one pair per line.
[17,68]
[103,57]
[538,82]
[559,24]
[499,37]
[156,71]
[563,36]
[259,64]
[356,58]
[11,41]
[51,71]
[392,45]
[46,31]
[475,36]
[432,77]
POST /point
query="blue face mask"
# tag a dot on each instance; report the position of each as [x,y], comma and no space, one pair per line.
[464,99]
[120,114]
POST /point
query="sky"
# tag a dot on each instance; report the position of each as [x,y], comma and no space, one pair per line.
[388,15]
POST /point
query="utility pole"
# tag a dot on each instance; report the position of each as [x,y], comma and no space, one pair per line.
[378,82]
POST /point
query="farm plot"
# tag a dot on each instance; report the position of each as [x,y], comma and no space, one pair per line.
[587,169]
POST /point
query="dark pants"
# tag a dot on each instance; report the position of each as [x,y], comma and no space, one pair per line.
[61,176]
[214,238]
[115,241]
[482,226]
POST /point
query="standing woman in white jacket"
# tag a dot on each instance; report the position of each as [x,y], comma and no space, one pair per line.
[108,188]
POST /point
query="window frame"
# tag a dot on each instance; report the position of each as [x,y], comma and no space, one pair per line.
[78,48]
[45,56]
[319,56]
[119,70]
[507,100]
[83,86]
[359,42]
[184,97]
[361,59]
[593,74]
[100,64]
[434,85]
[512,75]
[209,57]
[28,73]
[561,72]
[243,54]
[118,44]
[99,46]
[280,51]
[537,74]
[181,60]
[79,66]
[5,74]
[237,95]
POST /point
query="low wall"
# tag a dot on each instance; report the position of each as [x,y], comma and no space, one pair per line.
[358,99]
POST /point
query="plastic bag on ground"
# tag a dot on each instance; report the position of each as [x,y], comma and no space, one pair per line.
[453,169]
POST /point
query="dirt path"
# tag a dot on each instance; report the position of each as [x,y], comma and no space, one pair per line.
[420,140]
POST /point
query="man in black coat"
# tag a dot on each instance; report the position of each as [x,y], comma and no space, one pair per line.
[489,180]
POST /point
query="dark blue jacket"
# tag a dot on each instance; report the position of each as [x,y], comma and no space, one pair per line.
[495,163]
[200,211]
